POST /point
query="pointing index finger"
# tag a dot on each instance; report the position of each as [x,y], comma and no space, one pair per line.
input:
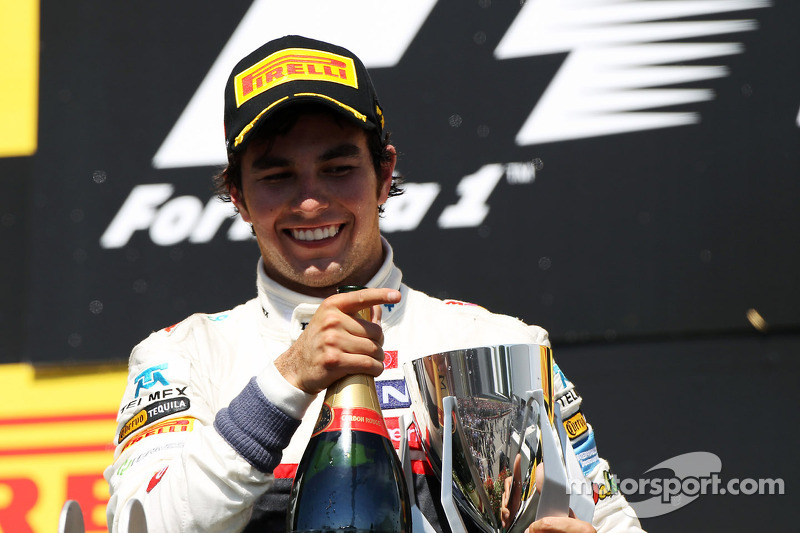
[353,302]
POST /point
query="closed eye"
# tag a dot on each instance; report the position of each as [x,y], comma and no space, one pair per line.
[339,170]
[275,176]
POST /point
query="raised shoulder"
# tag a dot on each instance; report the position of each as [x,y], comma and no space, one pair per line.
[199,328]
[196,345]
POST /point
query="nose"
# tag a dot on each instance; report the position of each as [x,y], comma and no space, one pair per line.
[311,195]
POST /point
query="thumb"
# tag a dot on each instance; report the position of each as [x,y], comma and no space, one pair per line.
[539,476]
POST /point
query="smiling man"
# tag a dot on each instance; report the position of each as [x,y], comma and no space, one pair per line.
[312,196]
[309,167]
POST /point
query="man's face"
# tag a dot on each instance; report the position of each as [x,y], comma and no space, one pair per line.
[312,196]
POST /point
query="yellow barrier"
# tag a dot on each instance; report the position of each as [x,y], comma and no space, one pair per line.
[56,437]
[19,77]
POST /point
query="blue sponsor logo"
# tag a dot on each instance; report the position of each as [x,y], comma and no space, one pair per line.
[218,318]
[150,378]
[393,394]
[557,371]
[586,451]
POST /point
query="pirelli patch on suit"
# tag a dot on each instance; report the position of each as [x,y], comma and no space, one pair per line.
[174,425]
[576,425]
[152,413]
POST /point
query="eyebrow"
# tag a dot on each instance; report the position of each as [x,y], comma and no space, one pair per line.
[267,161]
[342,150]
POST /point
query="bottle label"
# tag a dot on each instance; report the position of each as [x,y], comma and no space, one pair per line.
[350,419]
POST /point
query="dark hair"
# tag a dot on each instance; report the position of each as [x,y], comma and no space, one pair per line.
[282,123]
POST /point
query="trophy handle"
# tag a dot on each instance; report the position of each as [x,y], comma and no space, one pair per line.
[71,518]
[448,503]
[419,523]
[133,519]
[554,497]
[580,499]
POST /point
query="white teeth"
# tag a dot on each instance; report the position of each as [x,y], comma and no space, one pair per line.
[317,234]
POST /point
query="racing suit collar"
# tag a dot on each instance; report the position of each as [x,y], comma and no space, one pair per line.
[286,305]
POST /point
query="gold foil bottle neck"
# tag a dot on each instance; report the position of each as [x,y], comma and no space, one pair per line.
[355,390]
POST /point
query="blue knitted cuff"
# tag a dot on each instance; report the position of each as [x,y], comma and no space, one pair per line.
[255,428]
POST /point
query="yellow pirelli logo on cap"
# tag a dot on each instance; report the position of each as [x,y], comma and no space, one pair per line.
[293,64]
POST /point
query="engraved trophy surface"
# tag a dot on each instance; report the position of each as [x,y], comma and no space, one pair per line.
[485,418]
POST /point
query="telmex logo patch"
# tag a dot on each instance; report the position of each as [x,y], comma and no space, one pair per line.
[150,377]
[293,64]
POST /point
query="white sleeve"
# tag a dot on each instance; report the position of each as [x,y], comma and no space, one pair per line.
[612,512]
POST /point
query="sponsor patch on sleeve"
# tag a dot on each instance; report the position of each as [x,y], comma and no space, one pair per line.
[156,479]
[557,371]
[174,425]
[152,413]
[607,489]
[567,398]
[576,425]
[459,302]
[153,382]
[586,451]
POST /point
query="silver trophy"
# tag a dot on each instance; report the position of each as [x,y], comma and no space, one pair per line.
[486,419]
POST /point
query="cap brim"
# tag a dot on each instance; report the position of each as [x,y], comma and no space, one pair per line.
[355,117]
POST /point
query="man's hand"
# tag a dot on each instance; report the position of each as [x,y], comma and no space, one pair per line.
[560,524]
[557,524]
[337,342]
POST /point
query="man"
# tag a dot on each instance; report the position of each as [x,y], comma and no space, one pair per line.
[210,429]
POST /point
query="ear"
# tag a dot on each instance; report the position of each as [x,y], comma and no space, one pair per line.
[237,198]
[387,169]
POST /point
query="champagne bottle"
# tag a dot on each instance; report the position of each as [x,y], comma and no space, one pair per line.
[350,478]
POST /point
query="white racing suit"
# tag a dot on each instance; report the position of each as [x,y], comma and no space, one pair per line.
[209,433]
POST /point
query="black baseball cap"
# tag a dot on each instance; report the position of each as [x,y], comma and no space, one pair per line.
[291,70]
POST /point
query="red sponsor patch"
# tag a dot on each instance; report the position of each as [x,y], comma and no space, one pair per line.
[390,359]
[156,478]
[395,433]
[459,302]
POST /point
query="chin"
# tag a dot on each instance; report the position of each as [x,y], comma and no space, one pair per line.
[331,276]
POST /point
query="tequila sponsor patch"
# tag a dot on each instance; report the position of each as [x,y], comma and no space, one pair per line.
[152,413]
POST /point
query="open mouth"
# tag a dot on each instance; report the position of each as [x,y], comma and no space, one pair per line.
[316,234]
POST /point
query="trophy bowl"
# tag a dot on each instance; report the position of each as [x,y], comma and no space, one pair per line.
[494,430]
